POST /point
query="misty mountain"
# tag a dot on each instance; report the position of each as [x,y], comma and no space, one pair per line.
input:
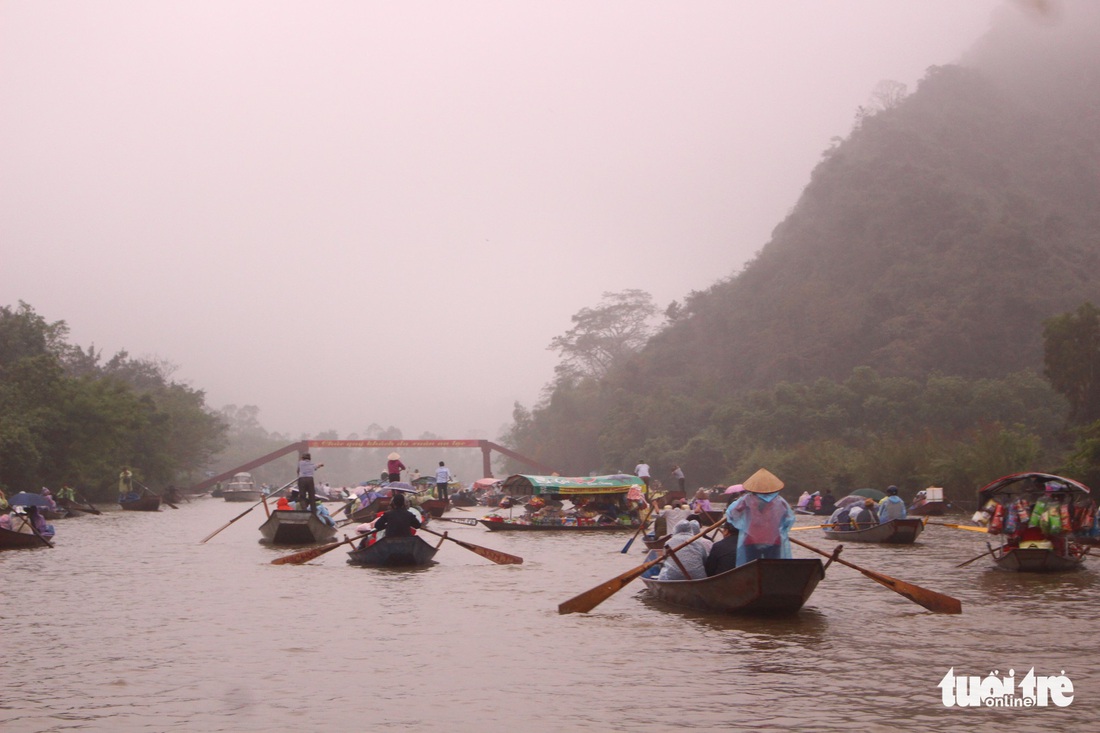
[906,288]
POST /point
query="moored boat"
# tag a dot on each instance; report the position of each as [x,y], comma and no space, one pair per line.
[295,528]
[144,504]
[895,532]
[392,552]
[761,586]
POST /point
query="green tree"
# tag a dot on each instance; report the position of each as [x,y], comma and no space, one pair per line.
[604,336]
[1071,357]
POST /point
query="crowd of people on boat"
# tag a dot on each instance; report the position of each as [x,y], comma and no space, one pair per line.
[755,526]
[622,509]
[857,512]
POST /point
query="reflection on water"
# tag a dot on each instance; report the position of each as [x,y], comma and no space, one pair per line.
[132,624]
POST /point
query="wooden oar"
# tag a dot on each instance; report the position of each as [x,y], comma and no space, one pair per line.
[588,600]
[640,529]
[234,519]
[814,526]
[89,504]
[500,558]
[305,556]
[150,491]
[930,599]
[959,526]
[34,530]
[990,551]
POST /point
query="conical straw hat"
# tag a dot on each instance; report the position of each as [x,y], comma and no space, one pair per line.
[763,482]
[394,456]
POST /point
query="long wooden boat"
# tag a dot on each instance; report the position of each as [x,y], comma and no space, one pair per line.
[1035,560]
[394,552]
[10,540]
[144,504]
[513,526]
[249,495]
[295,528]
[895,532]
[761,586]
[435,507]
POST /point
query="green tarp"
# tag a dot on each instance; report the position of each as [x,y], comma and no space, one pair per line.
[523,485]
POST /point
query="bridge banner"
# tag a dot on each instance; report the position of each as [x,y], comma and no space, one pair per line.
[394,443]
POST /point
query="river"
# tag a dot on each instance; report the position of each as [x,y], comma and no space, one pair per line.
[131,624]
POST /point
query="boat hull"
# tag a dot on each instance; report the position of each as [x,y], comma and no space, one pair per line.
[435,507]
[394,552]
[1035,560]
[10,540]
[242,495]
[295,528]
[760,587]
[895,532]
[144,504]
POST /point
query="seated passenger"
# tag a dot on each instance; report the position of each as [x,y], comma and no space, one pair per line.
[282,505]
[693,557]
[892,507]
[841,520]
[864,517]
[723,553]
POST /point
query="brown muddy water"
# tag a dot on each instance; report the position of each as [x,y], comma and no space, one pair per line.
[130,624]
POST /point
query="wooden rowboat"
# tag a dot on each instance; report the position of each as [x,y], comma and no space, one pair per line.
[295,528]
[144,504]
[761,586]
[10,540]
[394,552]
[894,532]
[1036,560]
[435,507]
[507,526]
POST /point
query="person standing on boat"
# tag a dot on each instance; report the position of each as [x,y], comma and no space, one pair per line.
[394,467]
[442,481]
[892,507]
[763,519]
[678,474]
[126,485]
[642,472]
[307,490]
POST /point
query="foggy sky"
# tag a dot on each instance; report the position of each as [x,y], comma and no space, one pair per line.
[349,213]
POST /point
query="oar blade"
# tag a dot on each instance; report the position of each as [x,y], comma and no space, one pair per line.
[500,558]
[593,597]
[305,556]
[930,599]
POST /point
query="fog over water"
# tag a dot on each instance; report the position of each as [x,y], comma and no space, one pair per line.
[349,213]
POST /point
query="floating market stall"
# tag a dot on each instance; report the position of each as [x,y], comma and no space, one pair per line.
[590,503]
[1041,519]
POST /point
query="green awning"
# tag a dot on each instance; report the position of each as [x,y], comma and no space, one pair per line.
[523,485]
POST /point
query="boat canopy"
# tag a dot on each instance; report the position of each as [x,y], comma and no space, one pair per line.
[1031,484]
[523,485]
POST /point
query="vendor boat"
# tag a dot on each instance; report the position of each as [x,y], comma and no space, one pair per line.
[513,525]
[394,552]
[295,528]
[1033,547]
[895,532]
[928,503]
[758,587]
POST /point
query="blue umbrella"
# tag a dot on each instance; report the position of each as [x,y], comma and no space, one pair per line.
[26,498]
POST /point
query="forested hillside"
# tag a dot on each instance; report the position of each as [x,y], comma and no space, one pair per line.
[932,243]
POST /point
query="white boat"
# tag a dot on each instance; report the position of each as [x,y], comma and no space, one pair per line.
[242,488]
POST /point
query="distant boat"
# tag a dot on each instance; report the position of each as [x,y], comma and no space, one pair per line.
[894,532]
[149,503]
[928,503]
[242,488]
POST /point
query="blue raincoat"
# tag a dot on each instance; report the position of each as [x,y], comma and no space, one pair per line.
[764,521]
